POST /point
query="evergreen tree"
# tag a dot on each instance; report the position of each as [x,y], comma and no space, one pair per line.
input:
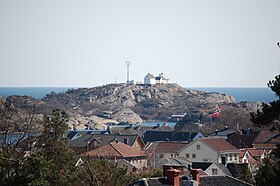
[270,113]
[53,147]
[269,116]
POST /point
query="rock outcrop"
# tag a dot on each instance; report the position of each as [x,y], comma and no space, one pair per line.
[127,103]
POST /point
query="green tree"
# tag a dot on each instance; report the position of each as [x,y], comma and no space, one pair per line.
[98,172]
[54,148]
[268,116]
[270,113]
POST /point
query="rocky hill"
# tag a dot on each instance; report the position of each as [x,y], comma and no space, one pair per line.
[94,107]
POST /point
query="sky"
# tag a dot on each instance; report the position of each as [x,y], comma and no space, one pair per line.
[85,43]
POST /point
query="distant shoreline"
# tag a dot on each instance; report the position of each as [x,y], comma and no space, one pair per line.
[256,94]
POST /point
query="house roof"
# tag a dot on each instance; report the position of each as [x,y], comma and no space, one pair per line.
[205,165]
[181,160]
[221,181]
[242,153]
[268,137]
[242,140]
[151,136]
[223,132]
[201,165]
[252,161]
[150,76]
[164,76]
[140,130]
[167,147]
[104,139]
[253,152]
[219,144]
[256,152]
[115,149]
[152,182]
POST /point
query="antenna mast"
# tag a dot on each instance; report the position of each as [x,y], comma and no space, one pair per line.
[128,63]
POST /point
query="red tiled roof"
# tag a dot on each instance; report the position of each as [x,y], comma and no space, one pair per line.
[252,161]
[253,152]
[115,149]
[169,147]
[219,144]
[242,153]
[256,152]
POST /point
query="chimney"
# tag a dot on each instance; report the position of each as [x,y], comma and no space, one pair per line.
[195,175]
[173,176]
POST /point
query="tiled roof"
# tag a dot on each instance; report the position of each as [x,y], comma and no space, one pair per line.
[242,141]
[219,144]
[252,161]
[256,152]
[221,181]
[242,153]
[140,130]
[115,149]
[200,165]
[151,136]
[268,137]
[103,139]
[169,147]
[223,132]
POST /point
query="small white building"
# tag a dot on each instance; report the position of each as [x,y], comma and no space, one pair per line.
[150,79]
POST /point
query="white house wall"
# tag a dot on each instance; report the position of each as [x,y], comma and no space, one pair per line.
[205,154]
[209,170]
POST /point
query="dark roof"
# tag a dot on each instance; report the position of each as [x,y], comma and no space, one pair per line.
[158,78]
[243,140]
[224,132]
[151,182]
[268,137]
[140,130]
[152,136]
[201,165]
[221,181]
[103,139]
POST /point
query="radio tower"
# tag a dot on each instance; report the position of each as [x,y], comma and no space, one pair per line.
[128,63]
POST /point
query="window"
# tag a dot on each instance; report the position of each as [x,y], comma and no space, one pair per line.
[171,155]
[214,171]
[125,141]
[187,156]
[193,155]
[197,147]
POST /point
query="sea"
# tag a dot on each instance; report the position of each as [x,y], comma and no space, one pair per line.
[240,94]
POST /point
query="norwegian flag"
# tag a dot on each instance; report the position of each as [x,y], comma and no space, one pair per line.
[217,112]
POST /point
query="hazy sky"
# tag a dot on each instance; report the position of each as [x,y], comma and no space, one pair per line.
[85,43]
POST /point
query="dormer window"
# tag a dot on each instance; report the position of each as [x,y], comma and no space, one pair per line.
[125,141]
